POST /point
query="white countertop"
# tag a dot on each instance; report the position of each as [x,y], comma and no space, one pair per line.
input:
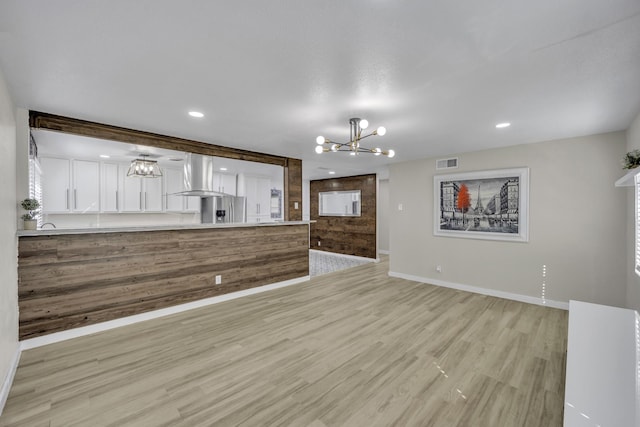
[63,231]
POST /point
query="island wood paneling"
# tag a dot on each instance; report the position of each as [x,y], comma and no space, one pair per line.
[345,235]
[292,167]
[73,280]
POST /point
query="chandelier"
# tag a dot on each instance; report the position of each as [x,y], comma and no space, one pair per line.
[144,168]
[353,146]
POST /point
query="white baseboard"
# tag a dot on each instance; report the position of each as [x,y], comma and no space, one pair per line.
[383,251]
[8,380]
[129,320]
[484,291]
[359,258]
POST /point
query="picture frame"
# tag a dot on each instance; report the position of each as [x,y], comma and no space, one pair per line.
[493,205]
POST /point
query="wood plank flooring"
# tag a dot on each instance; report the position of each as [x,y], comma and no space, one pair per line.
[351,348]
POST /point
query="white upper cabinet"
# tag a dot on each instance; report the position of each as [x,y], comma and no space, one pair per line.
[173,184]
[86,186]
[109,188]
[152,188]
[70,185]
[56,176]
[257,190]
[141,194]
[224,183]
[192,204]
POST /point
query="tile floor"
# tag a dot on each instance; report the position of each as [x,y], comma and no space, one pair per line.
[327,262]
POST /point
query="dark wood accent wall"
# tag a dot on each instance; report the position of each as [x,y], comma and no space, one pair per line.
[293,190]
[292,167]
[345,235]
[72,280]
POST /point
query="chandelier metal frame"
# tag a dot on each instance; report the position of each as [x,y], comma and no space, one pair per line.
[144,168]
[353,146]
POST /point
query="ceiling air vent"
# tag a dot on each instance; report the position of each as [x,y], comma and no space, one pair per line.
[451,163]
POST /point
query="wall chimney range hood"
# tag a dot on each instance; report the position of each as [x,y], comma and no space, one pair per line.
[198,176]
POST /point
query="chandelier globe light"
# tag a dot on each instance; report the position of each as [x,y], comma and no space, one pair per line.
[353,145]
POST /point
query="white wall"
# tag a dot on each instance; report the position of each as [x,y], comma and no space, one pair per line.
[8,240]
[576,224]
[633,281]
[383,215]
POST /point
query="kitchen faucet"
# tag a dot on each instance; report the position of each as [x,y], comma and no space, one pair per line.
[48,223]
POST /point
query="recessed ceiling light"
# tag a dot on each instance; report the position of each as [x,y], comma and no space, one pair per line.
[197,114]
[223,169]
[332,173]
[105,156]
[503,125]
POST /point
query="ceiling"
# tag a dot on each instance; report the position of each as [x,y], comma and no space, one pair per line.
[272,75]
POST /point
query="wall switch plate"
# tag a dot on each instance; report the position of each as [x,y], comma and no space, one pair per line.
[218,279]
[400,207]
[295,205]
[439,268]
[319,244]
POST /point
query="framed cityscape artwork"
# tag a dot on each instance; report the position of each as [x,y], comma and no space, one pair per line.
[490,204]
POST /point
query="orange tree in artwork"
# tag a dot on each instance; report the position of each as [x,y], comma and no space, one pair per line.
[464,201]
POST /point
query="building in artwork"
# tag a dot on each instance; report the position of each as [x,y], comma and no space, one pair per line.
[510,199]
[448,198]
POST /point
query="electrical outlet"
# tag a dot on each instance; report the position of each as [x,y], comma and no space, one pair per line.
[218,279]
[439,268]
[319,243]
[295,205]
[400,207]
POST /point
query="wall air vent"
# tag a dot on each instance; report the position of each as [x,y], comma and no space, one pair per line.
[451,163]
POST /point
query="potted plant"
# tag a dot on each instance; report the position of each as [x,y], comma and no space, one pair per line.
[31,206]
[631,160]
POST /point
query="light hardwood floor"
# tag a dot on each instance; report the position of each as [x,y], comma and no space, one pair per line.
[351,348]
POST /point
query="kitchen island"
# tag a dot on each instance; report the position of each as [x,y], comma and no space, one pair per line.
[68,278]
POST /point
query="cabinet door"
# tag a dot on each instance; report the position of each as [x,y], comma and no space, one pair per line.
[86,186]
[224,183]
[192,204]
[56,174]
[228,184]
[152,194]
[263,197]
[131,192]
[109,188]
[173,184]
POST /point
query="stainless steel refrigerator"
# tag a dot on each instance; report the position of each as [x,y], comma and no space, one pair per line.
[223,209]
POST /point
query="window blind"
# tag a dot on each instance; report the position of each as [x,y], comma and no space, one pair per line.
[637,212]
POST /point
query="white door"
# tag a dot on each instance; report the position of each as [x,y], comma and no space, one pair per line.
[86,186]
[109,188]
[56,175]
